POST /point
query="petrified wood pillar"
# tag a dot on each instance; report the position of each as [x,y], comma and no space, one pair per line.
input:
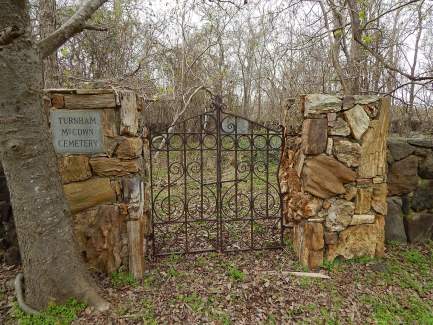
[333,178]
[107,187]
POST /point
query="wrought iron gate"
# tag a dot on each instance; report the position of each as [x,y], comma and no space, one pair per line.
[214,185]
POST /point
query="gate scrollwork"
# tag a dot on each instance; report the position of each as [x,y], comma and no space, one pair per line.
[215,187]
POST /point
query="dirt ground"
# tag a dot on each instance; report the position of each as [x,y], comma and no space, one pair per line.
[256,288]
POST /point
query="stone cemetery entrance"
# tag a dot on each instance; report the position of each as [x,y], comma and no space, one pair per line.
[214,183]
[221,182]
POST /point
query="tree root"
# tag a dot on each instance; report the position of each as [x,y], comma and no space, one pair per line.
[92,298]
[89,296]
[20,295]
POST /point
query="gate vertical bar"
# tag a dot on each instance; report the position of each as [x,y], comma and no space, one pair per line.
[236,168]
[201,165]
[185,185]
[218,107]
[268,144]
[252,152]
[150,139]
[167,147]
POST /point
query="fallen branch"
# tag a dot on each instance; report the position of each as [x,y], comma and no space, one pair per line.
[310,275]
[299,274]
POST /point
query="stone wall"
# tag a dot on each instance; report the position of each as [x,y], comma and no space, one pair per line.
[410,181]
[108,191]
[333,178]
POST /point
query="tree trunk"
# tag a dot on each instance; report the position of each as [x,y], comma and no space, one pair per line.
[335,40]
[392,56]
[53,269]
[219,89]
[47,26]
[419,30]
[355,51]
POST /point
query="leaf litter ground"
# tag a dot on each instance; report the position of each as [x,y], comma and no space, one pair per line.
[256,288]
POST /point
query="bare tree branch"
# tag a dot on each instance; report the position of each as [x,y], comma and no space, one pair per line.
[95,28]
[71,27]
[389,11]
[230,2]
[179,114]
[390,67]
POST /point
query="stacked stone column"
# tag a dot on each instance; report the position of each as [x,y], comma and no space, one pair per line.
[108,191]
[333,178]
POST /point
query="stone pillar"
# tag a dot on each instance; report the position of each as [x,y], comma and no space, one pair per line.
[333,178]
[106,188]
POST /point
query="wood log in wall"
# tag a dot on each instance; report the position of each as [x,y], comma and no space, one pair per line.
[136,251]
[89,101]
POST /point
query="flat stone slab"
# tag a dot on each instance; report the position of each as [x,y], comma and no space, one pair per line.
[358,121]
[421,142]
[77,131]
[394,226]
[399,148]
[320,103]
[419,227]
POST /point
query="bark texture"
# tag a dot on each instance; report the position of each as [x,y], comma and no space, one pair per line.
[53,269]
[47,23]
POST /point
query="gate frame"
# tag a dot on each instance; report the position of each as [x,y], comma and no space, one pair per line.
[217,108]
